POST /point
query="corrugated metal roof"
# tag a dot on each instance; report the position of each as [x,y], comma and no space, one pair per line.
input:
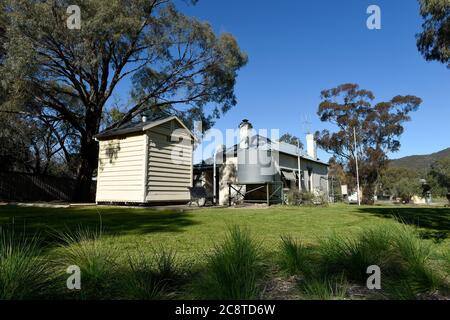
[283,147]
[138,127]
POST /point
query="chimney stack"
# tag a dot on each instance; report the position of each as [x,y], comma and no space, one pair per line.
[245,129]
[311,146]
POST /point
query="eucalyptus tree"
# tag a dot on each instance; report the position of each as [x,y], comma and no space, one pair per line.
[434,40]
[378,127]
[165,59]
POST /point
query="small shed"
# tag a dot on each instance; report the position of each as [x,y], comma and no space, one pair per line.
[146,162]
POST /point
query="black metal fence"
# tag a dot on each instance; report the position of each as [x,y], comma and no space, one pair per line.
[15,186]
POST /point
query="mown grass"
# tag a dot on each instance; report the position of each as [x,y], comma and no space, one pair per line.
[149,254]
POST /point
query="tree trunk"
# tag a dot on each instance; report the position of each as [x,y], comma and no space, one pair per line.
[87,166]
[88,158]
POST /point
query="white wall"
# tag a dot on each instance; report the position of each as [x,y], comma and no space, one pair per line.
[169,164]
[121,168]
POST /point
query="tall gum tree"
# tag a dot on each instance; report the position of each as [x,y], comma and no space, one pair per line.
[378,127]
[434,40]
[174,63]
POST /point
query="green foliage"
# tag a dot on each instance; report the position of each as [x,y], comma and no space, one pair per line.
[434,40]
[175,63]
[378,127]
[296,197]
[97,261]
[440,170]
[233,268]
[351,256]
[406,188]
[412,258]
[334,288]
[24,272]
[140,281]
[404,258]
[147,277]
[291,139]
[401,182]
[295,257]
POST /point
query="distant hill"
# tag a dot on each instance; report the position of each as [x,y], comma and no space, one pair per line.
[419,162]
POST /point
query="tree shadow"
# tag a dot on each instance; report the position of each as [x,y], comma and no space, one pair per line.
[435,221]
[113,221]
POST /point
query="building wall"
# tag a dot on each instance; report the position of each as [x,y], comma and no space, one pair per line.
[169,165]
[319,172]
[121,168]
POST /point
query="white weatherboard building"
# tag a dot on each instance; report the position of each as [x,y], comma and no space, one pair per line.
[146,162]
[279,167]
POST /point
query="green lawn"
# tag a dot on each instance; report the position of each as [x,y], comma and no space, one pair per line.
[192,233]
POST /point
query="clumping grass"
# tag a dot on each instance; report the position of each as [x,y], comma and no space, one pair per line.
[24,273]
[233,268]
[446,258]
[404,259]
[149,276]
[352,255]
[367,236]
[140,281]
[411,263]
[316,288]
[97,261]
[295,257]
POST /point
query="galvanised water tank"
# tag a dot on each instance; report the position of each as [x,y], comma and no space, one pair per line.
[255,166]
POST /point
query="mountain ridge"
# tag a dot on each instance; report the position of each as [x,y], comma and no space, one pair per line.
[420,162]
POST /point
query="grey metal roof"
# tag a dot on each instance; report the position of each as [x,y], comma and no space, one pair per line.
[283,147]
[138,127]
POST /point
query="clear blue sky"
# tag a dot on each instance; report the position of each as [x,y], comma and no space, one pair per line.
[297,48]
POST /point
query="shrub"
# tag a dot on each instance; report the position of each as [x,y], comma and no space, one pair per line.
[23,273]
[233,268]
[296,197]
[295,257]
[96,259]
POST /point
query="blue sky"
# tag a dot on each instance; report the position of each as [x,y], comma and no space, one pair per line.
[297,48]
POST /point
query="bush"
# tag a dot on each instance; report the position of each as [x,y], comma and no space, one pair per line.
[97,261]
[295,257]
[23,273]
[295,198]
[233,268]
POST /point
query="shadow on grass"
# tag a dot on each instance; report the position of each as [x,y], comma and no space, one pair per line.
[117,221]
[435,221]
